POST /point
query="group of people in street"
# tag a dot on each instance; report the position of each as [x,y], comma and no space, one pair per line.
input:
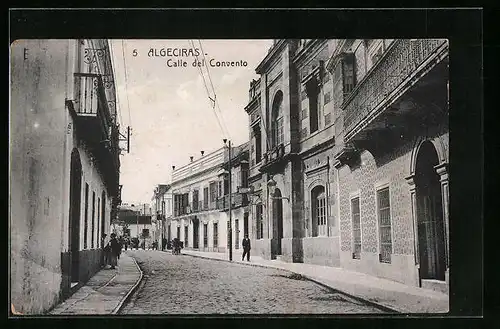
[112,250]
[113,247]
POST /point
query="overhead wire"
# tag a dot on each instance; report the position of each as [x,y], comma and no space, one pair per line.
[126,83]
[117,107]
[213,88]
[214,99]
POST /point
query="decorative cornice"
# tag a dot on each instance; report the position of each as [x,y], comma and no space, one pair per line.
[264,64]
[317,148]
[317,169]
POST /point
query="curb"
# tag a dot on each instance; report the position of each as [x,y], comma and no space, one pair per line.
[131,291]
[380,306]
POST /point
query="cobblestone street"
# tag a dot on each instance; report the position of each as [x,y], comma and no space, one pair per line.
[187,285]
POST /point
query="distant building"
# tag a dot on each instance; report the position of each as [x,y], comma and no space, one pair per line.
[162,212]
[64,167]
[133,223]
[200,193]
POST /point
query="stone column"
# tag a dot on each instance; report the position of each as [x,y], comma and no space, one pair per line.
[442,170]
[413,199]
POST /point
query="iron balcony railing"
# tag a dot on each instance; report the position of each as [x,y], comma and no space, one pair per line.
[237,200]
[403,58]
[91,102]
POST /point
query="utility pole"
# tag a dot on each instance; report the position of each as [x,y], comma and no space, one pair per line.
[137,226]
[143,227]
[230,228]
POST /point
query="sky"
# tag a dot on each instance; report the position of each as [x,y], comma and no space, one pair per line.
[169,110]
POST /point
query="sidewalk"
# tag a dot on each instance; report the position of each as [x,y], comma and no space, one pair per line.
[105,292]
[389,294]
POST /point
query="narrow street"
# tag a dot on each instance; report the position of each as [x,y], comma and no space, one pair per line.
[186,285]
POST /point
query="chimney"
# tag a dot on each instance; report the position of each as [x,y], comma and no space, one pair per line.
[173,167]
[202,152]
[191,157]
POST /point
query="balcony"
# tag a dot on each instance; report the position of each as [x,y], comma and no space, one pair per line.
[237,200]
[91,107]
[410,72]
[96,127]
[275,159]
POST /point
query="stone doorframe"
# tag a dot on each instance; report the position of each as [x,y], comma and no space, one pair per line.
[442,171]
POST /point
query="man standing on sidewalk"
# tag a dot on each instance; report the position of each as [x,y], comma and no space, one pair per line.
[246,248]
[116,249]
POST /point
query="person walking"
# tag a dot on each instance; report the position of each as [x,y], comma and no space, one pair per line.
[116,249]
[246,248]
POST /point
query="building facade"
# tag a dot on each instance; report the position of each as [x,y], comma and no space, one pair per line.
[349,153]
[136,224]
[200,194]
[64,167]
[162,212]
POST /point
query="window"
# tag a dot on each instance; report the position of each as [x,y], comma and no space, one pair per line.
[92,238]
[258,146]
[277,120]
[205,235]
[145,232]
[86,218]
[205,198]
[313,111]
[226,184]
[195,200]
[318,197]
[244,177]
[356,228]
[178,232]
[384,219]
[213,194]
[216,235]
[169,233]
[280,138]
[348,73]
[186,235]
[259,221]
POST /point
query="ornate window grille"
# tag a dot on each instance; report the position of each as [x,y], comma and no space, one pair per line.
[356,228]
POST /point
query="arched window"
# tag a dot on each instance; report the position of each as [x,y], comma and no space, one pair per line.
[319,211]
[277,120]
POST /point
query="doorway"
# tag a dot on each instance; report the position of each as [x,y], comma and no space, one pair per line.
[196,233]
[278,220]
[431,241]
[245,224]
[74,214]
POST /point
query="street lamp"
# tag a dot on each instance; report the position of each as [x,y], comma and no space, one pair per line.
[230,227]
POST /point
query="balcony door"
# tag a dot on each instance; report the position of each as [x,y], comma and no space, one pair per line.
[196,232]
[431,242]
